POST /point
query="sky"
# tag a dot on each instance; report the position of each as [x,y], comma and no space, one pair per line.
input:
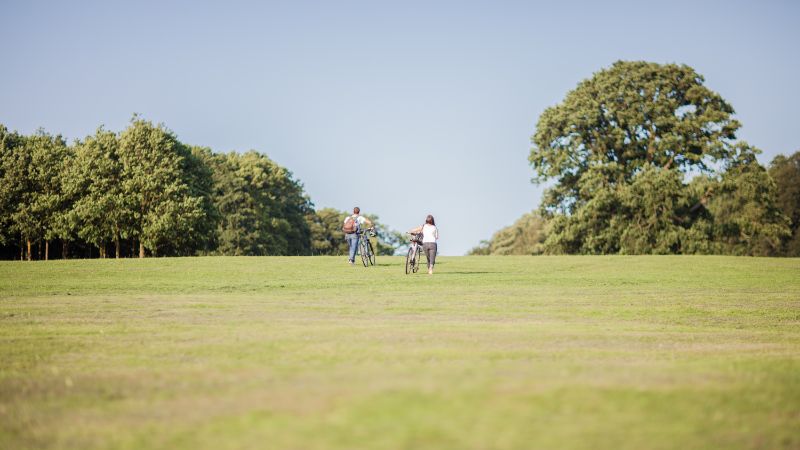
[402,108]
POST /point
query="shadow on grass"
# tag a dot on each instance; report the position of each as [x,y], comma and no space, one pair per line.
[464,273]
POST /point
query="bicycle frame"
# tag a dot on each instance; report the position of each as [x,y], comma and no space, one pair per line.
[365,247]
[414,255]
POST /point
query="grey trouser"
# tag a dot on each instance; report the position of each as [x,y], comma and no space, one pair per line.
[429,248]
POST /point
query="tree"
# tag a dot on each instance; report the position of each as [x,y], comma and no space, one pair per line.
[262,208]
[654,214]
[201,234]
[618,148]
[326,232]
[786,173]
[101,212]
[747,218]
[143,186]
[164,210]
[526,236]
[63,227]
[33,169]
[12,181]
[198,167]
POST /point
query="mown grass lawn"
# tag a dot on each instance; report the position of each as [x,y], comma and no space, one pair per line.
[490,352]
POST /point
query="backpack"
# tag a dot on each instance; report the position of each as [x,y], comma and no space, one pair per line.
[350,225]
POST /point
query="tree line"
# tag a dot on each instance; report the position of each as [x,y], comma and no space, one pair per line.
[141,192]
[643,158]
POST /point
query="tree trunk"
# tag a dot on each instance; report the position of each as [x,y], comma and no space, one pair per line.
[47,250]
[64,249]
[116,244]
[141,250]
[102,249]
[28,241]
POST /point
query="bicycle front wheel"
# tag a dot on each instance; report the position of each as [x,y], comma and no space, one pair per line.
[362,249]
[370,253]
[410,260]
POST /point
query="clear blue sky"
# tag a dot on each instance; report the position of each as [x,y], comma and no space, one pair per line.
[403,108]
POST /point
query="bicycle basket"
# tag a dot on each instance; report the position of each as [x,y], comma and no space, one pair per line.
[416,238]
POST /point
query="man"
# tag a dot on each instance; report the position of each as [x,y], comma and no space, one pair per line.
[351,227]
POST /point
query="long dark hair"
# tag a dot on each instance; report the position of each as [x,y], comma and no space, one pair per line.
[429,220]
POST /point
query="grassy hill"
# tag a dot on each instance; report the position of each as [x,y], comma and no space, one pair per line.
[490,352]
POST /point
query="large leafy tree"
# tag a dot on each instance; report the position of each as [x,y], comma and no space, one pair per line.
[786,173]
[282,205]
[618,149]
[12,181]
[747,219]
[262,208]
[165,213]
[101,212]
[198,168]
[238,232]
[32,169]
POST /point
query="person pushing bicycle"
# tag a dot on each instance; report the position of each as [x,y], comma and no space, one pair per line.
[430,236]
[351,228]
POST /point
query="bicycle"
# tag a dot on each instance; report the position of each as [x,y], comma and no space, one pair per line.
[413,255]
[365,246]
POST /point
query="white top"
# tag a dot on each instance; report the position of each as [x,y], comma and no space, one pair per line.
[429,233]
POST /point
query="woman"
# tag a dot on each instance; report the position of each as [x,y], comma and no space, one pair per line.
[430,234]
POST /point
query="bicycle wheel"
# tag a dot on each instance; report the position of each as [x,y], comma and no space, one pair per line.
[362,249]
[416,259]
[370,253]
[410,260]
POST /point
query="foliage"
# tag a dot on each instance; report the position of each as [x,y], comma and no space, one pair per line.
[326,232]
[12,180]
[747,219]
[201,238]
[165,212]
[526,236]
[786,173]
[101,211]
[620,147]
[262,209]
[31,176]
[633,115]
[144,187]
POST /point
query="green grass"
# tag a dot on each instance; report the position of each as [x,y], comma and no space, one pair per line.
[490,352]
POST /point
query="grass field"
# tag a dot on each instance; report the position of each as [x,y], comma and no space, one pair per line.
[490,352]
